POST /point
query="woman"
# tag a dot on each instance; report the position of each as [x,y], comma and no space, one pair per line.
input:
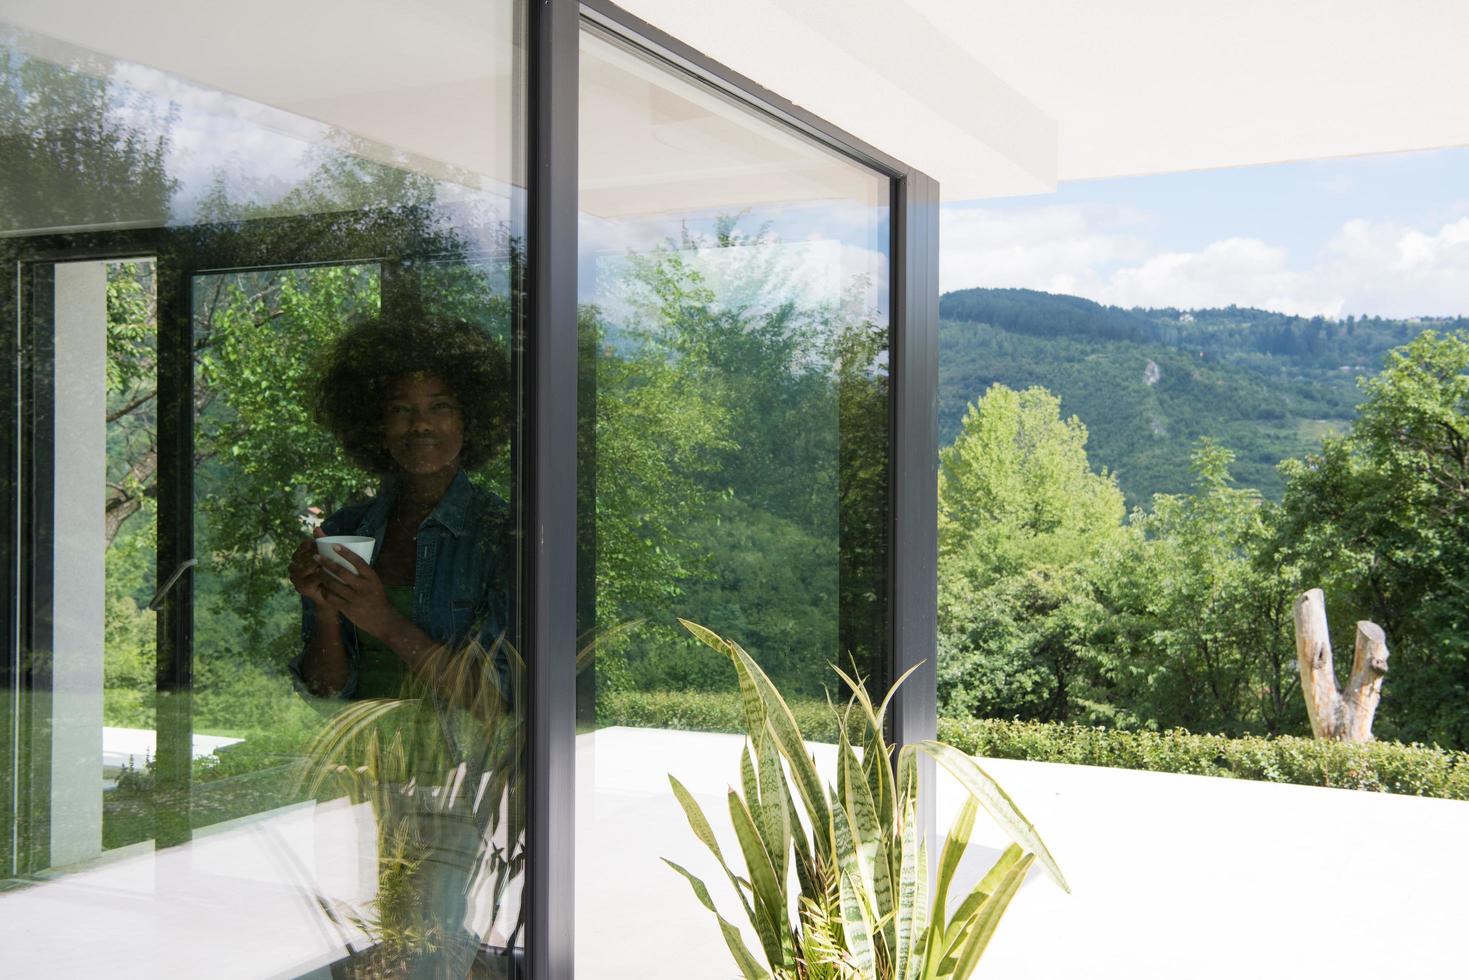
[417,402]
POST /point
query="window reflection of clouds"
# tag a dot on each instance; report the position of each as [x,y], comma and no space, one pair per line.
[258,154]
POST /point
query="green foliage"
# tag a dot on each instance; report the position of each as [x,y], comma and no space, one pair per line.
[1380,519]
[860,907]
[77,144]
[264,459]
[707,711]
[1023,522]
[1053,608]
[1015,487]
[1191,630]
[1387,767]
[740,463]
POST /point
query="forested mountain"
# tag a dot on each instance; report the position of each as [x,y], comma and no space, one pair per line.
[1148,383]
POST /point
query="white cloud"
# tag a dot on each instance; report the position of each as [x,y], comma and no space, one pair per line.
[1243,271]
[1381,268]
[1055,248]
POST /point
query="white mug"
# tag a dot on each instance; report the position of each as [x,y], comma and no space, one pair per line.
[355,543]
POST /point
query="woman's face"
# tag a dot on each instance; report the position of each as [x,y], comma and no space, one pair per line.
[423,425]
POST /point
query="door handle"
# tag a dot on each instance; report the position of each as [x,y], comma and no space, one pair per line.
[156,602]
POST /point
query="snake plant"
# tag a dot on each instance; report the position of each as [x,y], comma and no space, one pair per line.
[860,906]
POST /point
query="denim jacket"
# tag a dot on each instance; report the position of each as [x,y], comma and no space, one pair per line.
[461,582]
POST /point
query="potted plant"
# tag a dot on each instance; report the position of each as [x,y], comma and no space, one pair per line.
[860,906]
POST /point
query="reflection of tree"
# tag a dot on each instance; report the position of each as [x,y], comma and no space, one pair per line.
[70,156]
[132,392]
[764,507]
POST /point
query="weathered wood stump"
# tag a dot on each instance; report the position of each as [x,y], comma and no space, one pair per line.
[1343,716]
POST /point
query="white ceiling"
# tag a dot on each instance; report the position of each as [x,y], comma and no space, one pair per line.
[1008,97]
[991,98]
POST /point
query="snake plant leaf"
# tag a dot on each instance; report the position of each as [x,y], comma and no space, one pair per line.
[955,844]
[695,814]
[769,894]
[781,724]
[850,866]
[747,777]
[700,826]
[775,804]
[992,878]
[996,801]
[330,745]
[987,918]
[857,927]
[967,918]
[765,706]
[807,873]
[875,756]
[907,906]
[750,695]
[921,924]
[749,966]
[868,838]
[882,710]
[980,894]
[705,635]
[906,781]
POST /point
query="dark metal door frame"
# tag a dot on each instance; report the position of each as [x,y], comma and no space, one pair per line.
[553,576]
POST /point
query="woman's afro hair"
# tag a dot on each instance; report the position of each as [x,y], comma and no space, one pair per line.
[364,367]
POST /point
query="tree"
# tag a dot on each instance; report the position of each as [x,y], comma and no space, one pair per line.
[1023,520]
[78,150]
[1016,485]
[741,462]
[1380,520]
[1196,633]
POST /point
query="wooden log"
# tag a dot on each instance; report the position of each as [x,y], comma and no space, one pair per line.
[1335,714]
[1318,674]
[1364,687]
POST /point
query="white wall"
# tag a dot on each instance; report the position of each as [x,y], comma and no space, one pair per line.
[78,631]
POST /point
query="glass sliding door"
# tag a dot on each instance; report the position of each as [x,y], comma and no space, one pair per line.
[734,314]
[254,303]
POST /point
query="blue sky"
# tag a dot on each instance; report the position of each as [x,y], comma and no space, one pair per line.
[1385,235]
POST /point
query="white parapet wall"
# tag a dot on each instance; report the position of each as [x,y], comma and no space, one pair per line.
[1173,877]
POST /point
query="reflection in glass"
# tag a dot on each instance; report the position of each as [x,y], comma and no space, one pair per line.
[734,319]
[183,265]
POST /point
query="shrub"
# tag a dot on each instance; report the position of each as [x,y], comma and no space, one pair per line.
[1386,767]
[707,711]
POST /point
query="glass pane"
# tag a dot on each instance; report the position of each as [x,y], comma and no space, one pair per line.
[734,313]
[259,304]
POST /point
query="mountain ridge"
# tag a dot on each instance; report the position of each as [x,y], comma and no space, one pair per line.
[1266,385]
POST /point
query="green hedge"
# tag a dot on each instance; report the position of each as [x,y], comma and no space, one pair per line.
[1387,767]
[706,711]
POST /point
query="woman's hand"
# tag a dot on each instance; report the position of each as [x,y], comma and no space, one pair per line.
[305,571]
[361,597]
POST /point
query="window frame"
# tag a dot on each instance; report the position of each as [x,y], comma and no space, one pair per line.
[552,350]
